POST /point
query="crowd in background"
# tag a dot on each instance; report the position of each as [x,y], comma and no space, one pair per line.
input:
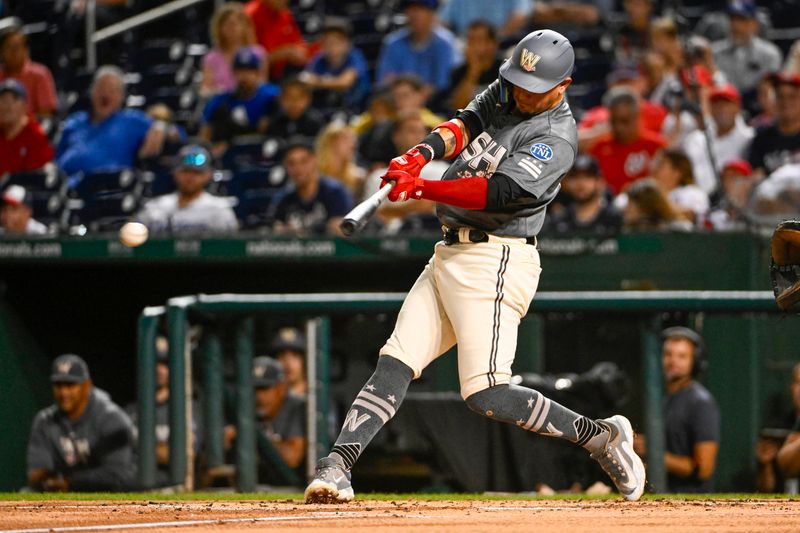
[686,121]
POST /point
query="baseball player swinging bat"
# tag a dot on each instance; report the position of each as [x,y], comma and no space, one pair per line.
[358,217]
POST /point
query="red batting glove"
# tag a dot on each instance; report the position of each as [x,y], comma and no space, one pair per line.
[405,185]
[411,162]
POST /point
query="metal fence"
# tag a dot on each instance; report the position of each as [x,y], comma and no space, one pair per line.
[646,306]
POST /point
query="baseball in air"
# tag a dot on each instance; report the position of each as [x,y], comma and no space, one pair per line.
[133,234]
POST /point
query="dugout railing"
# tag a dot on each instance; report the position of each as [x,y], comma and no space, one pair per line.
[646,306]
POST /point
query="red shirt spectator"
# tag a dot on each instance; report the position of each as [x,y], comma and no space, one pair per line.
[277,31]
[651,116]
[23,144]
[36,78]
[625,154]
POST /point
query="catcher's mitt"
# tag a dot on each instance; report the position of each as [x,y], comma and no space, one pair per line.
[785,268]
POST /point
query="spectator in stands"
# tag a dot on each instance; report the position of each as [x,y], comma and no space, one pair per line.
[766,109]
[372,127]
[661,84]
[295,115]
[744,57]
[244,110]
[626,152]
[190,209]
[317,203]
[230,30]
[82,443]
[409,129]
[571,14]
[162,414]
[23,144]
[672,171]
[15,62]
[336,155]
[407,96]
[738,182]
[691,415]
[633,36]
[779,144]
[109,136]
[480,67]
[424,48]
[280,414]
[289,348]
[769,477]
[646,208]
[728,137]
[506,18]
[789,454]
[338,72]
[277,31]
[588,211]
[595,123]
[16,213]
[666,41]
[173,133]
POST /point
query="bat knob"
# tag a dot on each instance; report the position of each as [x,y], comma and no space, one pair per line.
[348,226]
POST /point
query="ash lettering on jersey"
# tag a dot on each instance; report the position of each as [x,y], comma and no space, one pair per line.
[483,155]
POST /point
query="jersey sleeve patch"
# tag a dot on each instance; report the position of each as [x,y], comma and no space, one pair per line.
[532,167]
[542,151]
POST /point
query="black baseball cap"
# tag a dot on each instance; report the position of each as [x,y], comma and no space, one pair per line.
[267,372]
[288,339]
[585,163]
[430,4]
[337,25]
[246,58]
[742,8]
[69,368]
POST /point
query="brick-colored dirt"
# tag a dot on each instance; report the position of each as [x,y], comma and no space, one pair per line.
[651,516]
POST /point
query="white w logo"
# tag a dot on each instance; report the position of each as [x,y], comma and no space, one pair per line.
[353,420]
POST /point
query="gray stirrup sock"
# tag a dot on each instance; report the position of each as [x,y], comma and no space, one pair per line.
[373,407]
[531,410]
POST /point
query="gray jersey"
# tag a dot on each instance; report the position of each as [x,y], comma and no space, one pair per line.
[534,151]
[94,452]
[207,214]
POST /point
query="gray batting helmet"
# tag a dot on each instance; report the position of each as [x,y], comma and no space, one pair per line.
[540,61]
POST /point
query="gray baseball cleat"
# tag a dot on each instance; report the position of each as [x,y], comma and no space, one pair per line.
[618,459]
[331,483]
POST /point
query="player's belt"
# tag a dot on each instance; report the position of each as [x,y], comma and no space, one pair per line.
[452,236]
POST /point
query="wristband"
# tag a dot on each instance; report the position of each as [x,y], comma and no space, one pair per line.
[456,131]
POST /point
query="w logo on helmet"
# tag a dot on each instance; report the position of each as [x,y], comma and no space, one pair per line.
[528,60]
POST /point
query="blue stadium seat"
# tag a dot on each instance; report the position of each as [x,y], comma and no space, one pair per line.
[248,151]
[103,212]
[97,184]
[49,179]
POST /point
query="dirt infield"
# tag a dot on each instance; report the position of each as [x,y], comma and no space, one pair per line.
[542,516]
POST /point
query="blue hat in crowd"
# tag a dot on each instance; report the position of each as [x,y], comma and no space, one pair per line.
[742,8]
[14,86]
[246,58]
[69,368]
[194,157]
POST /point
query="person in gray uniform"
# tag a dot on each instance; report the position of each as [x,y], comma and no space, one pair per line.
[190,209]
[82,443]
[510,148]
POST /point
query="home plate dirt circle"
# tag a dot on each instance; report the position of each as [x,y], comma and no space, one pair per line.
[492,516]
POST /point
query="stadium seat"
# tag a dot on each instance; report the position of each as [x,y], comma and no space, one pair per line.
[103,183]
[247,151]
[103,212]
[48,179]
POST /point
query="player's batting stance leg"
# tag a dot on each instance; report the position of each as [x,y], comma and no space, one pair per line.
[484,274]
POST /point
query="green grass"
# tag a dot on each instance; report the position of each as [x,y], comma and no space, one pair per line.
[216,496]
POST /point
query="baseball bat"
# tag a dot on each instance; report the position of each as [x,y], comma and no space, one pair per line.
[356,219]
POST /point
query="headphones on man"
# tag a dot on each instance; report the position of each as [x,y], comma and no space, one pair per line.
[700,363]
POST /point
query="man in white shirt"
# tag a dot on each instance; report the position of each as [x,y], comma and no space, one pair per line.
[16,213]
[729,134]
[190,209]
